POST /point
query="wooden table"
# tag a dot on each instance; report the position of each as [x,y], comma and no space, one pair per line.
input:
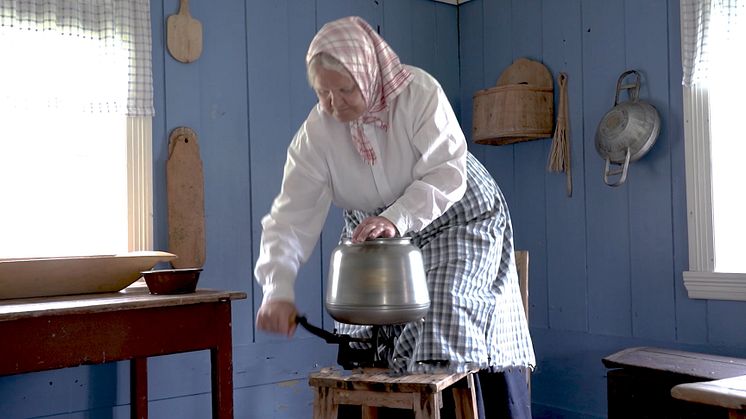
[729,393]
[57,332]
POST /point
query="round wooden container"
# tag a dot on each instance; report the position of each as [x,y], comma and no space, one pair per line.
[519,108]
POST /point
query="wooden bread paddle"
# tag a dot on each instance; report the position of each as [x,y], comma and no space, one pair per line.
[184,35]
[186,207]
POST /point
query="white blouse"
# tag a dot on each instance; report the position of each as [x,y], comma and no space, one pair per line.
[420,171]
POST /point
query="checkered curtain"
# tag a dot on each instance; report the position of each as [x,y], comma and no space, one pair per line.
[93,55]
[704,25]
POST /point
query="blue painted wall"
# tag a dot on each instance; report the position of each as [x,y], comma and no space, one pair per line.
[605,264]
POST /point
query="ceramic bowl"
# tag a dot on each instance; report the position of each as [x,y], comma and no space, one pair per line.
[172,281]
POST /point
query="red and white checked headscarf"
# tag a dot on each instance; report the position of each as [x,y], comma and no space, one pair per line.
[374,66]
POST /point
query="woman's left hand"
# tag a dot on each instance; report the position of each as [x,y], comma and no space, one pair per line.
[373,227]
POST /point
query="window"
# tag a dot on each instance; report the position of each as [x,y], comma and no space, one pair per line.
[714,146]
[75,143]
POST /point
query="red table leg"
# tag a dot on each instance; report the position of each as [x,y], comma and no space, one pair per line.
[221,358]
[139,388]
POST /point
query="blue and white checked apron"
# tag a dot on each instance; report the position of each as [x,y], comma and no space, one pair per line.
[476,318]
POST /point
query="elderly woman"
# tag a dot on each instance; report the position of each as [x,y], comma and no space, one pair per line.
[384,145]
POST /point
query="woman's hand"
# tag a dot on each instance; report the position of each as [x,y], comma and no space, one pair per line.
[277,317]
[373,227]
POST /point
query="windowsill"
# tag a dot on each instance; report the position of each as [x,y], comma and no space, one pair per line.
[715,285]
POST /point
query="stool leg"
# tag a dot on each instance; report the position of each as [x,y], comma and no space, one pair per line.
[324,406]
[465,399]
[427,407]
[369,412]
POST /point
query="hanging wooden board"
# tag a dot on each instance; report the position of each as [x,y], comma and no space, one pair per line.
[186,207]
[184,35]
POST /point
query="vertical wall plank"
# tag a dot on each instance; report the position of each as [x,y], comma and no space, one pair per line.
[653,310]
[268,33]
[370,10]
[527,27]
[497,50]
[425,34]
[397,28]
[446,66]
[278,37]
[497,19]
[302,100]
[471,66]
[528,206]
[224,146]
[424,44]
[607,214]
[567,301]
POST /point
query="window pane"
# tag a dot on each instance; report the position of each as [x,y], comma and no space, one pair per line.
[46,69]
[63,144]
[64,184]
[728,142]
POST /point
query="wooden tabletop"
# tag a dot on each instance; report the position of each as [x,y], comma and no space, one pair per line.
[134,297]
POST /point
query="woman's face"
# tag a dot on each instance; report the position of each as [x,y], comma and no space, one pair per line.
[338,94]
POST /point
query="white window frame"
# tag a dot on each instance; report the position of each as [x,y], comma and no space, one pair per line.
[140,182]
[701,281]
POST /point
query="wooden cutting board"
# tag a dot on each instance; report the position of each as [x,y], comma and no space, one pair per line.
[184,35]
[186,199]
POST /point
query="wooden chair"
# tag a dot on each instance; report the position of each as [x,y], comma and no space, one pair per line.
[421,393]
[521,263]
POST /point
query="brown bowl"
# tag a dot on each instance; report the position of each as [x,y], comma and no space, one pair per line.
[172,281]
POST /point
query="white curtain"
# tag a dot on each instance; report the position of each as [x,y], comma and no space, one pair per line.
[89,55]
[710,30]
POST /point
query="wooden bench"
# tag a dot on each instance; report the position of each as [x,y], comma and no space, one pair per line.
[640,380]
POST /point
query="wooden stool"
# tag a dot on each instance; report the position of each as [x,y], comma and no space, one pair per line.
[421,393]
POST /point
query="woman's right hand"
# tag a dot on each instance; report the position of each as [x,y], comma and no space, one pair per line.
[277,317]
[373,227]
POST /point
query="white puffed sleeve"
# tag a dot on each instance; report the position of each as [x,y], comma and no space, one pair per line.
[292,227]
